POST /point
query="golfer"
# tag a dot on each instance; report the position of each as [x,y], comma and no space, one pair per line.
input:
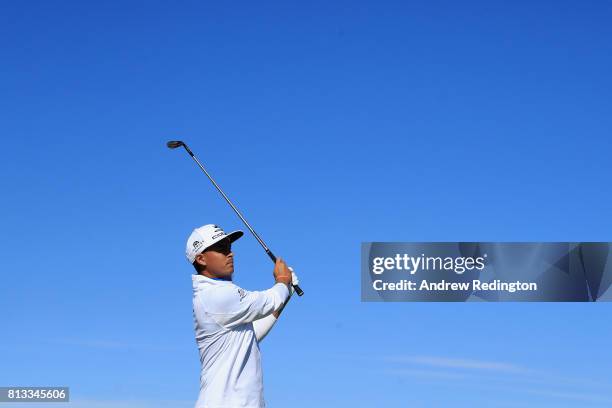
[230,321]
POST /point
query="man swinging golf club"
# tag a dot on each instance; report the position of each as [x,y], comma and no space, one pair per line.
[230,321]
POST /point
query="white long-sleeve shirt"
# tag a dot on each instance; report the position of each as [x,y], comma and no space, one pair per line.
[224,314]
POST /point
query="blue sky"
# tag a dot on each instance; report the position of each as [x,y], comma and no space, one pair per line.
[329,124]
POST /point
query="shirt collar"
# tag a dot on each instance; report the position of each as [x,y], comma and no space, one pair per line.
[222,279]
[198,279]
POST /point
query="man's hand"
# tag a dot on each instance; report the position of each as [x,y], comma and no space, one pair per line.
[282,274]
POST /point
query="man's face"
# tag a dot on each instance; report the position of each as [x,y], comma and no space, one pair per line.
[219,259]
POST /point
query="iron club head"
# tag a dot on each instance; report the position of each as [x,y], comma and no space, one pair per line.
[173,144]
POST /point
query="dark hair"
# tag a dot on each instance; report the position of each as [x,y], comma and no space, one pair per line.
[199,268]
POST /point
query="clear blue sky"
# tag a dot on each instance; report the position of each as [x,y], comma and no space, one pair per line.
[329,124]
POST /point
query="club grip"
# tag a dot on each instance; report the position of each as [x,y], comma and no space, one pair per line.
[297,289]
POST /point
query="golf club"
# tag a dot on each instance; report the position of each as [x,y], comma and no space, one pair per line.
[173,144]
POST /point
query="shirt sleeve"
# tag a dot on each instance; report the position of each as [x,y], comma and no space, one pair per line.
[263,326]
[230,305]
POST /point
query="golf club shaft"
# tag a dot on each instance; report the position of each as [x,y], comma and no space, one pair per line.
[297,289]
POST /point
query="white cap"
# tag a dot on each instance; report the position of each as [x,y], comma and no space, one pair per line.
[205,236]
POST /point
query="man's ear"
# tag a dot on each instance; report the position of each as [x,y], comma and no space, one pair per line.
[200,260]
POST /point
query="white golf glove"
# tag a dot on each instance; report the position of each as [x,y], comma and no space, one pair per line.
[294,279]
